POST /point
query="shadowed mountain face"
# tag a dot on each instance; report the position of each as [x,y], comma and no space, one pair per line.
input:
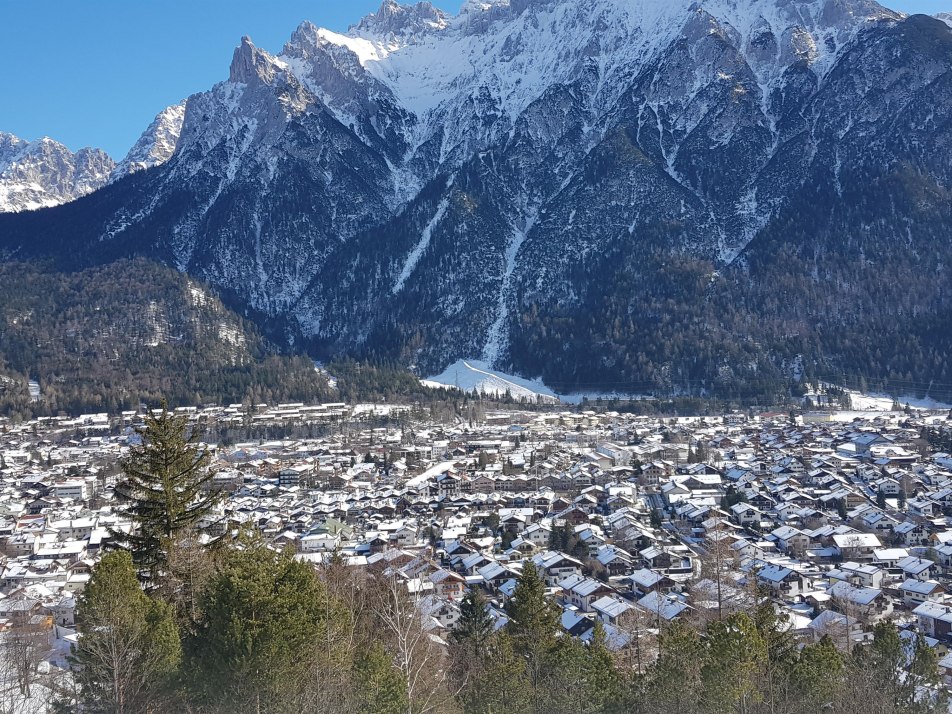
[611,194]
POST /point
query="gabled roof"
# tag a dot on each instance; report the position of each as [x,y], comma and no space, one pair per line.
[611,606]
[859,596]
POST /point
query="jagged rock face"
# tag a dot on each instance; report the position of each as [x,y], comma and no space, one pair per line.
[156,145]
[45,173]
[497,183]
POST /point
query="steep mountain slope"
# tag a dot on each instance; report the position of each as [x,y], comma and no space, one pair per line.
[621,194]
[111,337]
[156,145]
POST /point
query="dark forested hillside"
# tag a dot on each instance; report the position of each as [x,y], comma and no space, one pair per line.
[129,332]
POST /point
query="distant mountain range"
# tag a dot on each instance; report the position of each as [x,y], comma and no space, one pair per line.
[724,197]
[44,173]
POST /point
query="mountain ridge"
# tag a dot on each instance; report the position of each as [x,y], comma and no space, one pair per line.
[45,173]
[381,192]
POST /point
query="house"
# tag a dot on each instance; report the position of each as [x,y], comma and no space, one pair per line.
[790,539]
[842,629]
[644,581]
[866,604]
[935,620]
[581,592]
[856,546]
[537,534]
[782,581]
[915,567]
[858,574]
[746,515]
[616,561]
[611,610]
[447,584]
[554,566]
[664,607]
[318,542]
[915,592]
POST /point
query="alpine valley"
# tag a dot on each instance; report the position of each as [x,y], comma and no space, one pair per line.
[728,197]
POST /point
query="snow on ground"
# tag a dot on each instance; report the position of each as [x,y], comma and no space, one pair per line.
[884,403]
[470,374]
[380,410]
[331,379]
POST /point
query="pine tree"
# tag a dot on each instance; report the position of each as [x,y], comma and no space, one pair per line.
[381,689]
[505,686]
[673,684]
[894,678]
[473,633]
[253,649]
[737,655]
[475,626]
[164,485]
[817,675]
[129,648]
[881,499]
[533,623]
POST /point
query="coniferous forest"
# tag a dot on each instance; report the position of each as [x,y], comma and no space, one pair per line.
[110,338]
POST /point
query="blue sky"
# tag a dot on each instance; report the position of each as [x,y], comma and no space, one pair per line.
[95,72]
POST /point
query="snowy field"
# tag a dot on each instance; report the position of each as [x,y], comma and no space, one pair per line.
[470,374]
[883,403]
[473,374]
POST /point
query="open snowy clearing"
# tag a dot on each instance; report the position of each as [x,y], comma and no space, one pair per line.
[470,374]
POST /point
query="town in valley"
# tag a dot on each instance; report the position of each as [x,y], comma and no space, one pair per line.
[841,519]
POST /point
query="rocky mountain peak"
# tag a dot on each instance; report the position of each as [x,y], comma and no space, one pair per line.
[402,21]
[156,144]
[251,64]
[45,173]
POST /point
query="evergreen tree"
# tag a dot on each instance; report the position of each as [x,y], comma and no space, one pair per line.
[504,685]
[818,675]
[736,656]
[253,650]
[380,689]
[472,634]
[129,649]
[164,485]
[475,626]
[533,623]
[673,684]
[896,677]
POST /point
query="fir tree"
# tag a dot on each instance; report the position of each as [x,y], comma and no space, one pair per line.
[533,622]
[475,626]
[817,674]
[164,485]
[381,689]
[262,612]
[473,635]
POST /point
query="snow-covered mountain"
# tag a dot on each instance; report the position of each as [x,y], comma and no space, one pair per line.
[45,173]
[156,145]
[594,191]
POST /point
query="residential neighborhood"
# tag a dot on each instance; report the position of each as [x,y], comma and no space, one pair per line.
[842,520]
